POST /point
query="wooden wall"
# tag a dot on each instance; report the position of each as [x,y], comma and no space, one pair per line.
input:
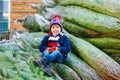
[20,9]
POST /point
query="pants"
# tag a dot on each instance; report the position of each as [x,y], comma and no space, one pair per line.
[54,56]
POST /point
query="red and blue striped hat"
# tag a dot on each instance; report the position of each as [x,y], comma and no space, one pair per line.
[56,20]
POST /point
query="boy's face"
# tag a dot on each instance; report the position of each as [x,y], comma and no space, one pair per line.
[55,29]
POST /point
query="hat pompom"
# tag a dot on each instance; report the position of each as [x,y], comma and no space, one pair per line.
[56,20]
[57,17]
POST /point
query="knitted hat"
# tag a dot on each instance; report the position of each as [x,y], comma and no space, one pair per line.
[56,20]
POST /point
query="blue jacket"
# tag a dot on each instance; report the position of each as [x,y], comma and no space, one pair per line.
[64,45]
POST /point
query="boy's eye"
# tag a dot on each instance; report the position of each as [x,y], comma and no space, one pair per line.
[57,26]
[53,27]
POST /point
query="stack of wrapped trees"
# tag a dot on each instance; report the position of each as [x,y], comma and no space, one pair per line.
[93,28]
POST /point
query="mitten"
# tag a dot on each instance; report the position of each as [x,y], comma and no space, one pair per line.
[50,50]
[56,48]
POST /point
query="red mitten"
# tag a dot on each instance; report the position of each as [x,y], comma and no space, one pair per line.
[50,50]
[56,48]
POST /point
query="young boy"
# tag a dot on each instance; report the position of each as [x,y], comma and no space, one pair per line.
[55,46]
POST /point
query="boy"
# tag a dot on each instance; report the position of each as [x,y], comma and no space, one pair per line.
[55,46]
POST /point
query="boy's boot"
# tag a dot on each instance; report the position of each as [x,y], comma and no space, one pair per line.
[40,62]
[47,70]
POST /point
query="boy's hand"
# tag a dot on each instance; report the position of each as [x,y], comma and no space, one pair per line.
[51,49]
[56,48]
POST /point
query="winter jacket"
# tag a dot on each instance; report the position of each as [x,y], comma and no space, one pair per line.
[63,44]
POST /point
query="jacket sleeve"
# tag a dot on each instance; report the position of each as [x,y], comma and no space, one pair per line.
[43,44]
[65,48]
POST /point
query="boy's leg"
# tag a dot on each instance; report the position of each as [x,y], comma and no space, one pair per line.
[44,59]
[46,62]
[56,55]
[49,57]
[47,69]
